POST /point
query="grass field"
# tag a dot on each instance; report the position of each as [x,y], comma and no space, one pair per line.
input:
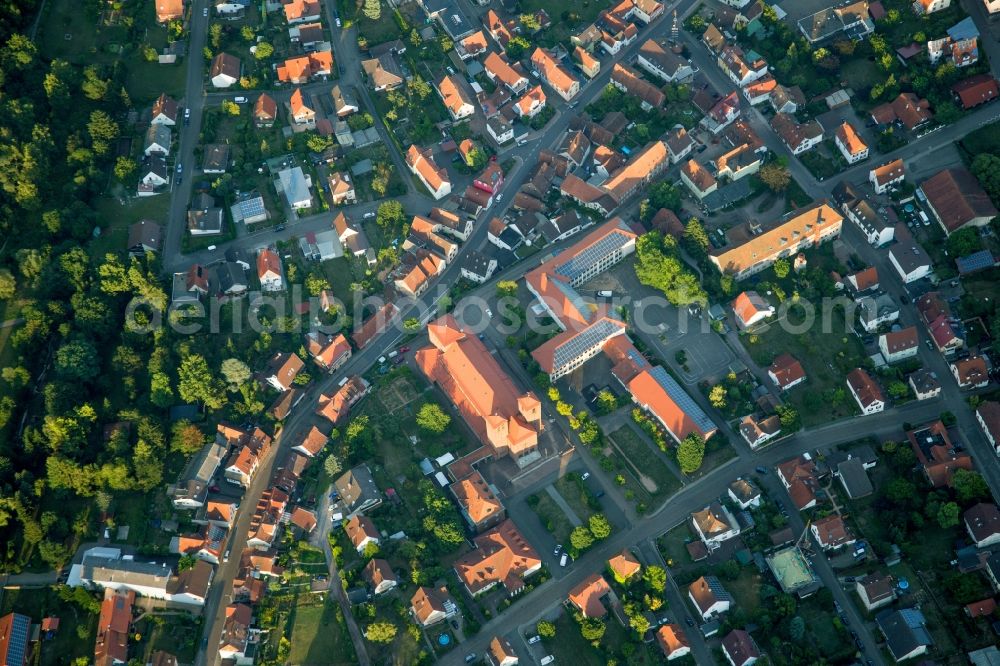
[70,641]
[569,646]
[646,462]
[121,217]
[575,494]
[553,518]
[318,636]
[827,353]
[745,590]
[672,545]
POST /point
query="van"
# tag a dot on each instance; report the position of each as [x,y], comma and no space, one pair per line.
[562,560]
[923,218]
[241,100]
[547,659]
[393,354]
[211,248]
[343,380]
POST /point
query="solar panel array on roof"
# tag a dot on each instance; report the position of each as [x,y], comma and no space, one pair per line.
[681,397]
[252,207]
[593,336]
[976,261]
[18,641]
[586,258]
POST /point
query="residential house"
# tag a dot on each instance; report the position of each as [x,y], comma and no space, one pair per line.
[204,218]
[344,101]
[383,72]
[852,19]
[215,158]
[907,110]
[741,68]
[312,444]
[925,384]
[679,144]
[722,113]
[744,493]
[759,91]
[714,525]
[166,11]
[282,370]
[624,565]
[971,373]
[357,490]
[885,176]
[851,146]
[531,103]
[908,257]
[113,624]
[944,328]
[164,111]
[786,100]
[302,115]
[799,477]
[153,173]
[673,641]
[662,62]
[877,310]
[739,648]
[341,188]
[300,11]
[831,533]
[328,351]
[480,506]
[430,606]
[500,129]
[554,74]
[631,83]
[786,371]
[899,345]
[434,178]
[501,556]
[698,179]
[798,137]
[361,531]
[501,653]
[15,635]
[854,478]
[237,637]
[866,392]
[455,99]
[478,267]
[303,69]
[499,70]
[269,271]
[157,141]
[588,597]
[905,631]
[245,459]
[336,406]
[472,46]
[879,227]
[982,522]
[655,391]
[741,161]
[379,576]
[749,308]
[225,70]
[709,597]
[976,90]
[875,590]
[308,35]
[758,430]
[265,111]
[587,63]
[144,236]
[936,454]
[930,6]
[295,185]
[956,199]
[988,416]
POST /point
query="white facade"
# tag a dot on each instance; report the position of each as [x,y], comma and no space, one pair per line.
[992,6]
[930,6]
[892,357]
[720,606]
[909,273]
[851,159]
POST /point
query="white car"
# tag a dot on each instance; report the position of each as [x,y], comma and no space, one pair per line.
[534,639]
[489,313]
[500,197]
[586,475]
[205,12]
[368,215]
[338,22]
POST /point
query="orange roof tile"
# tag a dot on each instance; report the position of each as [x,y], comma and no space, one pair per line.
[624,564]
[587,596]
[476,498]
[551,71]
[424,163]
[849,139]
[502,556]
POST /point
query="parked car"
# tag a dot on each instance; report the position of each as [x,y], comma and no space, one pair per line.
[404,349]
[558,549]
[204,12]
[338,22]
[187,116]
[585,476]
[534,639]
[689,621]
[760,469]
[471,657]
[369,215]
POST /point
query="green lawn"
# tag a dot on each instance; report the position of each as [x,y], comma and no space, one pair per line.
[553,518]
[319,636]
[568,16]
[569,646]
[121,217]
[177,634]
[657,478]
[827,352]
[383,29]
[860,73]
[672,545]
[745,589]
[833,642]
[576,494]
[146,80]
[77,629]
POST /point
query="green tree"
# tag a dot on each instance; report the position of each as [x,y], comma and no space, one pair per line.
[316,284]
[986,168]
[775,176]
[717,396]
[690,453]
[432,418]
[186,437]
[696,237]
[655,578]
[964,241]
[789,417]
[215,34]
[663,270]
[663,195]
[898,389]
[195,382]
[124,167]
[606,401]
[77,360]
[235,373]
[8,284]
[592,629]
[247,33]
[381,632]
[599,526]
[263,51]
[372,9]
[186,562]
[581,538]
[947,515]
[530,22]
[782,268]
[332,466]
[517,47]
[970,486]
[506,288]
[389,214]
[230,108]
[411,324]
[546,629]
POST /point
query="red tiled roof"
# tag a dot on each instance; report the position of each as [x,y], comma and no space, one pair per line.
[787,369]
[976,90]
[502,556]
[864,387]
[587,596]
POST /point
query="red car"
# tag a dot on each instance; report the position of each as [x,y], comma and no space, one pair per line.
[403,350]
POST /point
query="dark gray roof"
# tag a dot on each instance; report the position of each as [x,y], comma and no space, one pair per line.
[477,263]
[854,477]
[905,630]
[230,277]
[357,488]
